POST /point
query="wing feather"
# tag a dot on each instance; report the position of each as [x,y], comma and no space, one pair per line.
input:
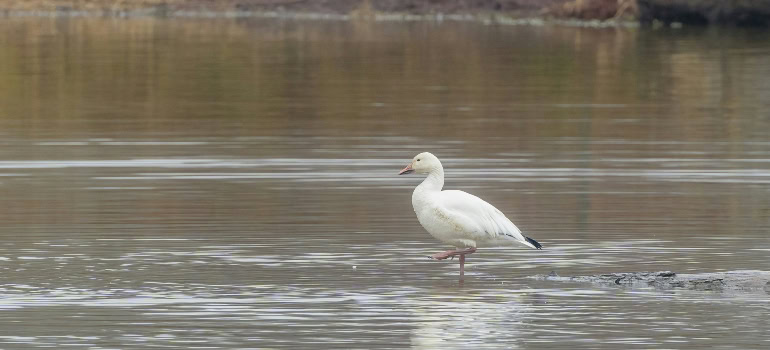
[480,218]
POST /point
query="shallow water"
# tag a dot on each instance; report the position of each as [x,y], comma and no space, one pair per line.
[232,184]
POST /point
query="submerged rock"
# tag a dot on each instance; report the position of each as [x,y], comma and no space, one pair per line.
[732,281]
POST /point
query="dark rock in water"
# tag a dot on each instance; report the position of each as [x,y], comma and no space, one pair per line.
[733,281]
[736,12]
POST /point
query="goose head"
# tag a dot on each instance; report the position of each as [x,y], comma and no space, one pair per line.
[423,163]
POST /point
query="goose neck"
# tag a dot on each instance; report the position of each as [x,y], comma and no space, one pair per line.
[434,181]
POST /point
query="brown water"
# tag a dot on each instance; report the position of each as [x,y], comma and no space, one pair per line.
[232,184]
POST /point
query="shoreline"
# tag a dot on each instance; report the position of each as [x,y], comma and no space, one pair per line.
[482,18]
[583,13]
[578,13]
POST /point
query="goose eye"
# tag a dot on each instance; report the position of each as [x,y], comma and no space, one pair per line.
[418,160]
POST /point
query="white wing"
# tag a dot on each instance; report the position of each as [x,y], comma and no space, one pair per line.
[479,218]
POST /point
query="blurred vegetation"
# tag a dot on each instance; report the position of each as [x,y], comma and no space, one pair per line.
[583,9]
[740,12]
[732,12]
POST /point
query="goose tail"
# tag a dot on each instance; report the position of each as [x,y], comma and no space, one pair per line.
[534,243]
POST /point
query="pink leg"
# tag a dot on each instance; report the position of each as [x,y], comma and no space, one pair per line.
[450,253]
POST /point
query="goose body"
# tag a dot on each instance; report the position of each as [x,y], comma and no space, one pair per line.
[458,218]
[463,220]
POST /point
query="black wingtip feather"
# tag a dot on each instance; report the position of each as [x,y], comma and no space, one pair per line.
[534,243]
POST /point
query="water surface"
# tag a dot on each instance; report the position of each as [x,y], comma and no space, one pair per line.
[232,184]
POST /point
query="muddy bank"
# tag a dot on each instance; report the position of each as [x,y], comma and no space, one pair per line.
[368,9]
[733,281]
[526,8]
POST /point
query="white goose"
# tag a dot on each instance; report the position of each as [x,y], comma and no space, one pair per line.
[458,218]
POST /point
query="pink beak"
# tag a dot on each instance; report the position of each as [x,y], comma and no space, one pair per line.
[407,170]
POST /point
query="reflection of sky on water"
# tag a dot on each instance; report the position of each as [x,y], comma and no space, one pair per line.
[463,322]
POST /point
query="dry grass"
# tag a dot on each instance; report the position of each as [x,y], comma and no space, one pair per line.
[47,5]
[336,6]
[597,9]
[86,5]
